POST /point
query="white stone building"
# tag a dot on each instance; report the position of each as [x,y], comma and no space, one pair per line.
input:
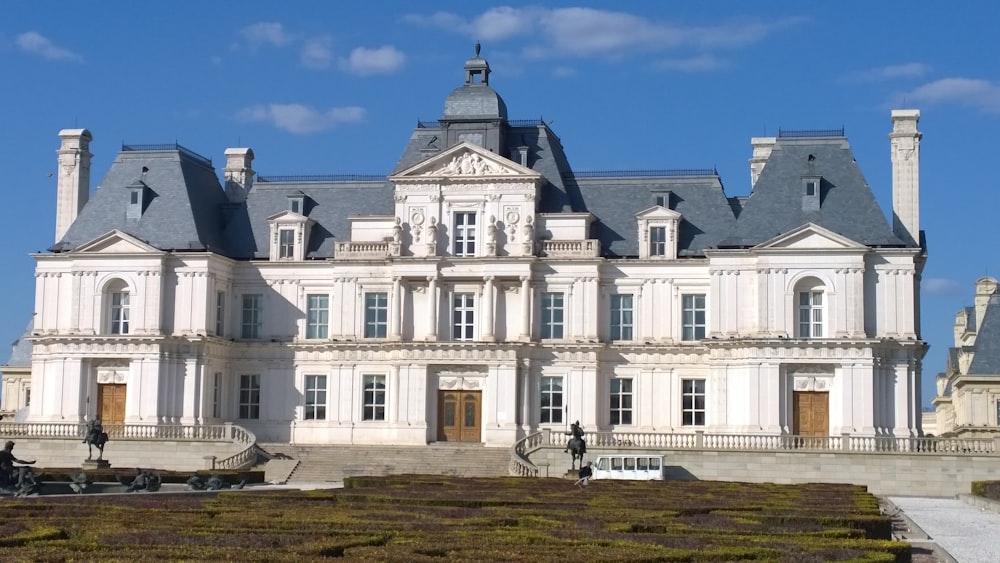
[483,290]
[967,404]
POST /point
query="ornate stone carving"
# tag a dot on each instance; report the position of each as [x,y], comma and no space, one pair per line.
[468,164]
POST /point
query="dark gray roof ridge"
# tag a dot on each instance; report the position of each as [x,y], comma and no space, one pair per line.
[986,360]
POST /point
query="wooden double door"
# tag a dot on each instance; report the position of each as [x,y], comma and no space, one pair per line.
[460,416]
[111,403]
[811,413]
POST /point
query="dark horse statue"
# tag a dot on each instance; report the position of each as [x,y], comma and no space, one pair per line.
[576,446]
[96,437]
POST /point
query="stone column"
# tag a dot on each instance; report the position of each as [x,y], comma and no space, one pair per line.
[396,320]
[487,328]
[432,308]
[526,308]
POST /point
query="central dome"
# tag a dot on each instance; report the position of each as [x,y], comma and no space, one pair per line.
[475,99]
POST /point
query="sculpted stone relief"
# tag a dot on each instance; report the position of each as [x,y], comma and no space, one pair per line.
[469,164]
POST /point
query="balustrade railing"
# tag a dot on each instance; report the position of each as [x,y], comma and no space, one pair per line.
[588,248]
[520,465]
[363,249]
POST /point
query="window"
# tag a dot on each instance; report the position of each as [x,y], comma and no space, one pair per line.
[811,314]
[693,402]
[315,398]
[374,398]
[621,317]
[317,316]
[250,327]
[621,401]
[552,400]
[27,397]
[119,312]
[552,315]
[657,241]
[286,243]
[465,234]
[810,187]
[220,312]
[376,315]
[216,392]
[463,316]
[693,317]
[249,396]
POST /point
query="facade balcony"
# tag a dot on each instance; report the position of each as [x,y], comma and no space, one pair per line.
[589,248]
[366,250]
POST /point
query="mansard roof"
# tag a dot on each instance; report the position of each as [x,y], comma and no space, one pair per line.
[182,211]
[846,204]
[986,360]
[20,354]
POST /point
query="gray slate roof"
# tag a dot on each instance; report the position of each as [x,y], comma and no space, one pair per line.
[986,360]
[847,205]
[20,353]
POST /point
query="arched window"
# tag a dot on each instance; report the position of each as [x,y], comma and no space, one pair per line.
[810,302]
[117,301]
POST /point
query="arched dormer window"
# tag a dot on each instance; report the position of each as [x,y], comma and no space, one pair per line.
[117,300]
[810,306]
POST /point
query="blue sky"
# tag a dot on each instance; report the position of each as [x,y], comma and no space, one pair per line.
[337,87]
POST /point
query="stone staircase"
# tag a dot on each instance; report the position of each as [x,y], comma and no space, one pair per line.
[319,464]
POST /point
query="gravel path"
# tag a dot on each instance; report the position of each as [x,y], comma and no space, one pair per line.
[968,533]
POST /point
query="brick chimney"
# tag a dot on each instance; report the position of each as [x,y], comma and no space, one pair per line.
[905,144]
[73,183]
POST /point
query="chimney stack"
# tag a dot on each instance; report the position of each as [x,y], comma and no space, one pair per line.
[761,152]
[905,145]
[238,174]
[73,183]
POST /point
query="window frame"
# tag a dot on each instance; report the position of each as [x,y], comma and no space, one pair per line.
[622,322]
[464,236]
[553,321]
[119,303]
[374,393]
[220,313]
[463,316]
[810,327]
[314,390]
[621,407]
[376,325]
[249,397]
[691,329]
[551,391]
[317,316]
[251,317]
[286,248]
[693,389]
[657,241]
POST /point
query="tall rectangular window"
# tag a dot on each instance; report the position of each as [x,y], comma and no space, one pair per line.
[621,401]
[251,318]
[621,317]
[249,397]
[119,312]
[693,402]
[552,400]
[374,398]
[315,398]
[463,320]
[552,315]
[465,234]
[657,241]
[216,394]
[811,314]
[220,312]
[317,316]
[693,317]
[286,243]
[376,315]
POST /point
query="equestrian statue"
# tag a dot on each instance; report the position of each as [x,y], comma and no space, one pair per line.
[96,437]
[576,446]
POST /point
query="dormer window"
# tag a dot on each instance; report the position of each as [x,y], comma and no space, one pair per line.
[297,203]
[658,229]
[289,233]
[286,244]
[810,193]
[662,199]
[137,197]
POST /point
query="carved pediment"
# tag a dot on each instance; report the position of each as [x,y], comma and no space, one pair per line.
[465,161]
[288,217]
[813,237]
[117,242]
[657,212]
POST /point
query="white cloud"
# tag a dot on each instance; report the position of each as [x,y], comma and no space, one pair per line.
[316,53]
[981,94]
[701,63]
[587,32]
[37,44]
[364,61]
[941,286]
[300,119]
[890,72]
[266,33]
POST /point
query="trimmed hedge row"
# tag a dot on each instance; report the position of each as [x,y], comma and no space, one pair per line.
[431,518]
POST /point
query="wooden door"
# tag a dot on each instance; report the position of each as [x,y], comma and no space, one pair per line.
[811,413]
[460,416]
[111,403]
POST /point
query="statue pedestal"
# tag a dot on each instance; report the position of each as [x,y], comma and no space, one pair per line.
[92,464]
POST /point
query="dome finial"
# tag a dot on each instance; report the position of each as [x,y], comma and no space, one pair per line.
[477,48]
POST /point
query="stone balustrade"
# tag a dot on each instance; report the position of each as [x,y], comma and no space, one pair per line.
[589,248]
[366,250]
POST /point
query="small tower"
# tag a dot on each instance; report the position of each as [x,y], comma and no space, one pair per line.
[73,183]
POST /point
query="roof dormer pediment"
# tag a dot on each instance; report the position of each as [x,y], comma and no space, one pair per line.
[464,162]
[117,242]
[657,212]
[810,236]
[287,218]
